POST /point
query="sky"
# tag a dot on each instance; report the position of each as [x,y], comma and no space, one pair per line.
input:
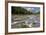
[33,9]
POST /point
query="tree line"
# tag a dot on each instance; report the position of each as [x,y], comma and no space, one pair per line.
[20,10]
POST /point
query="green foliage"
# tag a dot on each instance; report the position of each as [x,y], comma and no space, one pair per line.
[19,10]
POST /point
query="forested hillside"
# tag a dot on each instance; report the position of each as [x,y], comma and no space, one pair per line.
[21,10]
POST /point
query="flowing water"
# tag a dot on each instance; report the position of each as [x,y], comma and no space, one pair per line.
[25,21]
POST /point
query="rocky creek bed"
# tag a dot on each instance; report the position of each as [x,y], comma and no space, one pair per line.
[25,21]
